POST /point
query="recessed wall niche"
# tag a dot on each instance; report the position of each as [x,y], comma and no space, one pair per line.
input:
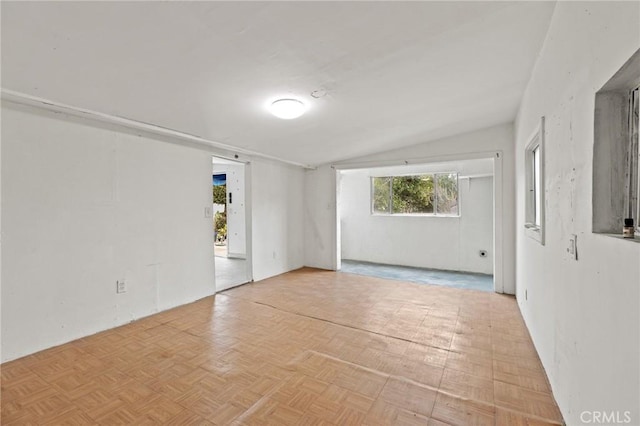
[614,152]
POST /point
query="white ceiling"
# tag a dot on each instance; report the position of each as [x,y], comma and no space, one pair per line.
[395,73]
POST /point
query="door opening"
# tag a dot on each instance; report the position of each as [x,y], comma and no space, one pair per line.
[230,214]
[434,222]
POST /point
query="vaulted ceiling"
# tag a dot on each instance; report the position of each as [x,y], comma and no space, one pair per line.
[392,74]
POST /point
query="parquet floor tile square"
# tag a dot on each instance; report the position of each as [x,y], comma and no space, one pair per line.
[458,411]
[305,348]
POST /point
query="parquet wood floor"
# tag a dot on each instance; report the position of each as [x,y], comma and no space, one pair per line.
[308,348]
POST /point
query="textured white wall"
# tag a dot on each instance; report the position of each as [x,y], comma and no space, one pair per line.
[277,218]
[84,206]
[476,225]
[583,316]
[450,243]
[320,218]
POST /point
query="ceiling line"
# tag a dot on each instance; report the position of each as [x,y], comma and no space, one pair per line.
[25,99]
[377,163]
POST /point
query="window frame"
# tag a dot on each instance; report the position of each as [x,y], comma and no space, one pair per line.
[435,197]
[632,201]
[372,196]
[535,200]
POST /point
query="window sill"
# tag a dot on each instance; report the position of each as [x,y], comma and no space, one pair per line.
[456,216]
[620,237]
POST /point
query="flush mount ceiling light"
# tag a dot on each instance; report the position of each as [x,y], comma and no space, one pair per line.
[287,108]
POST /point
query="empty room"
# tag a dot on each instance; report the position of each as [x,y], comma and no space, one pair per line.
[320,213]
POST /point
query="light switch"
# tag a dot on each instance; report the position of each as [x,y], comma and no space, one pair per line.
[572,248]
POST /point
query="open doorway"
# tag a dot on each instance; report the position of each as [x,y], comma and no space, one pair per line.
[230,214]
[430,223]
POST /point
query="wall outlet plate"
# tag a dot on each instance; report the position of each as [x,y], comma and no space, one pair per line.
[121,286]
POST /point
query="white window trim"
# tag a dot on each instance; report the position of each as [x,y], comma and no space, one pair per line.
[633,202]
[536,232]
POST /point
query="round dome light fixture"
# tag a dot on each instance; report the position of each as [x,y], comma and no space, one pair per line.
[287,108]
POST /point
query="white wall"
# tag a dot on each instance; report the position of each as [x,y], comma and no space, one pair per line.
[1,351]
[476,225]
[583,315]
[236,226]
[277,218]
[320,216]
[450,243]
[84,206]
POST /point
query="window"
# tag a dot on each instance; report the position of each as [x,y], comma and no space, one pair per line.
[632,173]
[425,194]
[536,185]
[534,180]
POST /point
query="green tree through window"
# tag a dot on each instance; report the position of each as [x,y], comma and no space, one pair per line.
[413,194]
[447,193]
[382,195]
[419,194]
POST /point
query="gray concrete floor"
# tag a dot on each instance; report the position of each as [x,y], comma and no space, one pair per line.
[456,279]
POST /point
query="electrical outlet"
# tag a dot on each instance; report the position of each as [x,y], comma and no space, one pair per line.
[121,286]
[572,248]
[208,212]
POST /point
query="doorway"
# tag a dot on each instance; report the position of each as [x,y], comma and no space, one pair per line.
[434,222]
[230,215]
